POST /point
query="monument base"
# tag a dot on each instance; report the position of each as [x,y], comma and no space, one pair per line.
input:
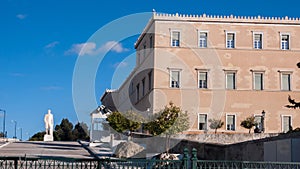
[48,137]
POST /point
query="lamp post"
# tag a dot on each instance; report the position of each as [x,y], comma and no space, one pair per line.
[263,121]
[4,114]
[14,121]
[21,134]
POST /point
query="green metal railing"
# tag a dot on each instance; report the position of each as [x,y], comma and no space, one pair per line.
[244,165]
[188,162]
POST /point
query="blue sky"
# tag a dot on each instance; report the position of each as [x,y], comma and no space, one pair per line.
[41,40]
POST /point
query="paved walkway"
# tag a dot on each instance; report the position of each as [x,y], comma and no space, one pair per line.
[45,150]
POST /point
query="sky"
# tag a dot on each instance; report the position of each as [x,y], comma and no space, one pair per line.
[44,43]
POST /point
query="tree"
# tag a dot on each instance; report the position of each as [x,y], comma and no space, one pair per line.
[64,130]
[133,121]
[38,136]
[117,121]
[80,132]
[125,121]
[248,123]
[169,121]
[215,124]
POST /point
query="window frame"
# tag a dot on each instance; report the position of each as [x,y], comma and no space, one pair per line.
[262,81]
[231,114]
[144,50]
[199,32]
[261,121]
[234,79]
[289,40]
[198,78]
[282,125]
[143,86]
[149,80]
[253,39]
[137,88]
[206,114]
[179,78]
[131,88]
[171,37]
[234,39]
[290,80]
[151,42]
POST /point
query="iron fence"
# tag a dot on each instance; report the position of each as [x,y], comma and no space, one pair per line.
[34,163]
[244,165]
[188,162]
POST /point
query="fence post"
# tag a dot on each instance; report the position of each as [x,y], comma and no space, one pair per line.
[194,158]
[186,158]
[16,163]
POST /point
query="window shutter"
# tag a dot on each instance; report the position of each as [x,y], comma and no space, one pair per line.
[258,81]
[230,120]
[230,36]
[202,76]
[203,35]
[175,35]
[257,37]
[285,81]
[202,118]
[230,81]
[175,76]
[285,37]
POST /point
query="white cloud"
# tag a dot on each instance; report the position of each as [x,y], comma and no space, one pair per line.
[82,49]
[21,16]
[113,46]
[52,45]
[90,48]
[120,64]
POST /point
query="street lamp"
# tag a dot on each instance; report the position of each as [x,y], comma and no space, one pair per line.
[4,114]
[21,134]
[263,120]
[14,121]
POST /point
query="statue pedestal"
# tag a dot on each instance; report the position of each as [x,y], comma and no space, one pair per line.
[48,137]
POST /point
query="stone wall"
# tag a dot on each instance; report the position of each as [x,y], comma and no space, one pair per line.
[253,150]
[224,138]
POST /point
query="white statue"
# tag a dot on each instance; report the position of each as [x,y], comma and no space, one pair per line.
[48,119]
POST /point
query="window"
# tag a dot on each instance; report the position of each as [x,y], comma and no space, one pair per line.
[137,92]
[230,80]
[203,39]
[258,81]
[97,123]
[175,38]
[285,39]
[149,80]
[286,123]
[257,40]
[285,81]
[230,40]
[143,87]
[144,50]
[202,119]
[258,121]
[230,122]
[151,42]
[202,83]
[131,88]
[174,79]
